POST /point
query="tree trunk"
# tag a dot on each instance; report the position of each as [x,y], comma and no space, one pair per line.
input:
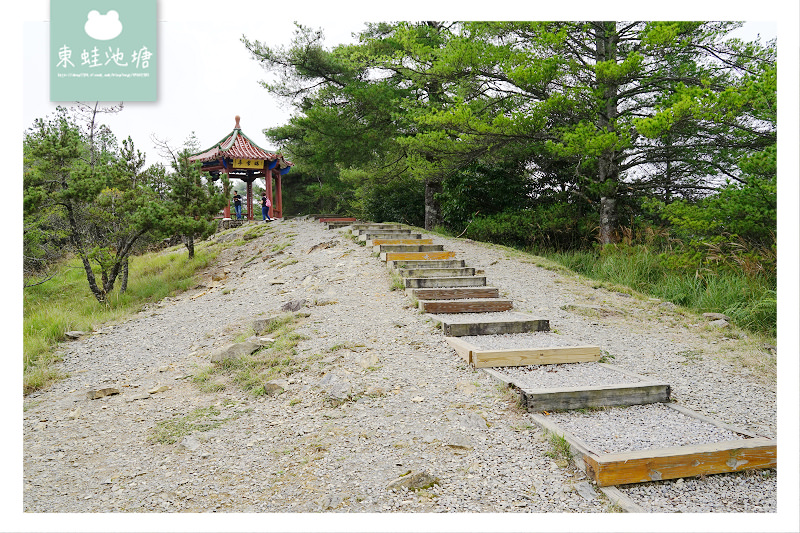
[124,282]
[433,211]
[608,219]
[190,245]
[606,38]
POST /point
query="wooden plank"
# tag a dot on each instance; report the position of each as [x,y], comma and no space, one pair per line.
[563,398]
[684,461]
[435,272]
[451,281]
[483,305]
[654,464]
[619,498]
[454,293]
[400,256]
[377,242]
[462,348]
[338,219]
[536,356]
[408,248]
[522,325]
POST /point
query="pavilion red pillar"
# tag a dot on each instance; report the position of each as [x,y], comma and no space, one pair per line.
[268,179]
[279,200]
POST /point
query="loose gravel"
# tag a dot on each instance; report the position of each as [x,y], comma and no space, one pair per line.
[516,341]
[565,375]
[639,427]
[411,404]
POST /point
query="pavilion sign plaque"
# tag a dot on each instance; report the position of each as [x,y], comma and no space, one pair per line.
[248,163]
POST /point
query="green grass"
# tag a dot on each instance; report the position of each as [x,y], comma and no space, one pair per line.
[65,303]
[750,301]
[251,372]
[199,420]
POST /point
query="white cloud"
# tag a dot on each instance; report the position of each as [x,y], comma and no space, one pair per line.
[103,27]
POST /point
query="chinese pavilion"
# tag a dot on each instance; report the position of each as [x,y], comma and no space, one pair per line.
[239,157]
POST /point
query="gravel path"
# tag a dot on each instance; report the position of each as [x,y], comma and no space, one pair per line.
[412,403]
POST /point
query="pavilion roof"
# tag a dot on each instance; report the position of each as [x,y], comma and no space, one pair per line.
[237,145]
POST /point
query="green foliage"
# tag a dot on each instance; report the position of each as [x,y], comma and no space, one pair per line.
[543,227]
[399,200]
[65,303]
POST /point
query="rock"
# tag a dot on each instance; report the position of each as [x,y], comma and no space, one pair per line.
[74,414]
[366,361]
[458,441]
[164,368]
[413,481]
[719,323]
[275,386]
[261,341]
[417,399]
[293,305]
[375,390]
[156,390]
[336,387]
[234,351]
[716,316]
[585,490]
[141,396]
[260,325]
[190,442]
[668,306]
[218,275]
[74,335]
[100,393]
[466,387]
[468,420]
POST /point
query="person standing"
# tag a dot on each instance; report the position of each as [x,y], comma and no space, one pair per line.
[265,205]
[237,204]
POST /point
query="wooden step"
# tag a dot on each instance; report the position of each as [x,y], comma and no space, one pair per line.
[466,305]
[337,219]
[387,231]
[435,272]
[750,452]
[371,225]
[382,248]
[451,263]
[322,215]
[376,242]
[455,281]
[336,225]
[453,293]
[400,256]
[366,237]
[504,323]
[522,356]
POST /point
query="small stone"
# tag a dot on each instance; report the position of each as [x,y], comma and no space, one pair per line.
[413,481]
[466,387]
[156,390]
[190,442]
[100,393]
[418,399]
[73,335]
[234,351]
[719,323]
[716,316]
[293,305]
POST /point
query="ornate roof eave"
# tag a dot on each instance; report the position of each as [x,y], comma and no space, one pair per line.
[227,147]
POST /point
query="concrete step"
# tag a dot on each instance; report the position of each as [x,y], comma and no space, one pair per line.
[399,256]
[408,248]
[435,272]
[451,263]
[453,293]
[366,237]
[460,281]
[466,305]
[462,325]
[376,242]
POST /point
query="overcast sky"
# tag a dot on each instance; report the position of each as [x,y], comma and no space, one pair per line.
[206,76]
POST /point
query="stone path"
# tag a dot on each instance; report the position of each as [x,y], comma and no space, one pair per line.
[412,405]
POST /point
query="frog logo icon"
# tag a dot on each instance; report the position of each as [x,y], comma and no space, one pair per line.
[103,27]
